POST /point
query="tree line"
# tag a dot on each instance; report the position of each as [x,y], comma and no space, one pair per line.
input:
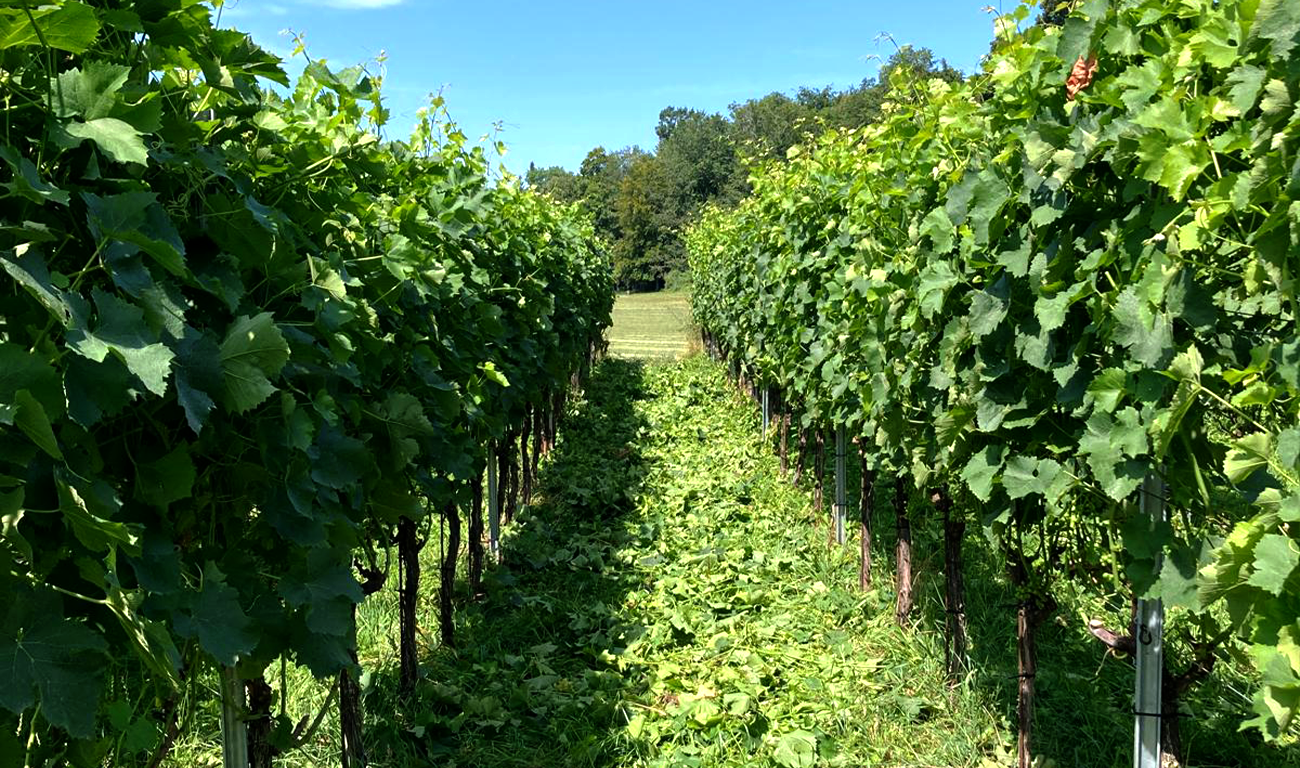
[642,200]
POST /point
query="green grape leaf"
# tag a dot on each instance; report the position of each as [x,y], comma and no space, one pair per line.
[33,421]
[1248,456]
[1247,81]
[403,415]
[88,92]
[1214,43]
[70,27]
[328,593]
[1276,557]
[43,652]
[198,376]
[215,617]
[1178,583]
[95,390]
[1051,310]
[27,180]
[1138,84]
[938,227]
[491,372]
[1277,21]
[1277,99]
[796,750]
[118,139]
[392,501]
[1288,447]
[1108,389]
[253,351]
[934,283]
[1016,260]
[338,461]
[1166,116]
[987,198]
[325,585]
[1112,447]
[980,471]
[138,219]
[166,480]
[1149,336]
[1025,475]
[27,267]
[121,330]
[87,508]
[1076,33]
[1145,538]
[986,312]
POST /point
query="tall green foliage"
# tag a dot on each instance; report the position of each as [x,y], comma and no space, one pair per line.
[1044,294]
[241,336]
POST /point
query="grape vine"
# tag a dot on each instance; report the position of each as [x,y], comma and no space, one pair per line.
[243,337]
[1041,286]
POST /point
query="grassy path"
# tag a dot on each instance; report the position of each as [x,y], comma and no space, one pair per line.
[671,605]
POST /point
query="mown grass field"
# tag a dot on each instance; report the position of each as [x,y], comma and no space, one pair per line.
[652,326]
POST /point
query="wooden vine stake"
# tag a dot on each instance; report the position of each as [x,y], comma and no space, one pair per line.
[866,508]
[1033,609]
[954,532]
[234,732]
[261,751]
[476,536]
[903,552]
[1149,634]
[352,753]
[447,575]
[408,593]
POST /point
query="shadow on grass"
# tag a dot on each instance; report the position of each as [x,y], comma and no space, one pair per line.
[533,682]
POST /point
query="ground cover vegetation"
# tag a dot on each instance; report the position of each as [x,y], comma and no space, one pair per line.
[643,199]
[249,348]
[667,601]
[1055,297]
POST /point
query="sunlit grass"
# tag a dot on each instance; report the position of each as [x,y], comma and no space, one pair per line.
[652,326]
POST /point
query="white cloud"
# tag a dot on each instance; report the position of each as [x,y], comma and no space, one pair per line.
[363,4]
[249,10]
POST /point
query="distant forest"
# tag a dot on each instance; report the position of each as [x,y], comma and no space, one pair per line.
[642,200]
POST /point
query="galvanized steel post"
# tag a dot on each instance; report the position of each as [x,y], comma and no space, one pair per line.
[1147,704]
[234,732]
[494,506]
[841,491]
[767,410]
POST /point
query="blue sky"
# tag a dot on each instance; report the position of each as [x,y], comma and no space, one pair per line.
[563,77]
